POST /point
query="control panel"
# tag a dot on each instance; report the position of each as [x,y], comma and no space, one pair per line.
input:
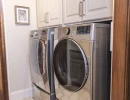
[44,34]
[83,30]
[34,34]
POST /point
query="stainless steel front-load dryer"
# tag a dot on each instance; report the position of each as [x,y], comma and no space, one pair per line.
[81,62]
[40,66]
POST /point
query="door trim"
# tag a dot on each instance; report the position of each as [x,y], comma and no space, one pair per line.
[128,55]
[3,72]
[121,49]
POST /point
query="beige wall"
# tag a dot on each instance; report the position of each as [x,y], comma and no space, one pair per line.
[17,48]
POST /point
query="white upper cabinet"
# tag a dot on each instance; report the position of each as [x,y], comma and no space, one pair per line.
[86,10]
[41,13]
[60,12]
[55,12]
[49,12]
[71,11]
[97,9]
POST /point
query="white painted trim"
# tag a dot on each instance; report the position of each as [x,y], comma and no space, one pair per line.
[22,94]
[111,40]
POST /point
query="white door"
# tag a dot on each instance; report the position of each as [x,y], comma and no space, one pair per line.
[55,12]
[71,11]
[97,9]
[42,13]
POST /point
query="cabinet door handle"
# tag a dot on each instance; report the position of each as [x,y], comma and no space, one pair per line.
[84,7]
[80,8]
[47,17]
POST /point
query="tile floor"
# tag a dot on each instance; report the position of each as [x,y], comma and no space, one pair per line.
[63,94]
[28,99]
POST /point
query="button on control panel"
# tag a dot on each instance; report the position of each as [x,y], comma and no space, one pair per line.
[83,30]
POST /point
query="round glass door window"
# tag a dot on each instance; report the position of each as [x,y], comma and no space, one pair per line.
[70,65]
[37,56]
[41,56]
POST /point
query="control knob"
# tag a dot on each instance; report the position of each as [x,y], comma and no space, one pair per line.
[68,31]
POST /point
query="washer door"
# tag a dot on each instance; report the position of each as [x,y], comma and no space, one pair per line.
[38,56]
[70,65]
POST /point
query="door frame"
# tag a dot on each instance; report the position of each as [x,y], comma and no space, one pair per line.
[128,57]
[121,51]
[4,94]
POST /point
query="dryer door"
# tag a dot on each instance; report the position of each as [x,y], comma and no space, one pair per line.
[70,65]
[37,56]
[42,56]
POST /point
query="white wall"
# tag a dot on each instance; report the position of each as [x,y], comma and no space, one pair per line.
[17,48]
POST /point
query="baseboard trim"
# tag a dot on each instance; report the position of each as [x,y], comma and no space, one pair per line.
[22,94]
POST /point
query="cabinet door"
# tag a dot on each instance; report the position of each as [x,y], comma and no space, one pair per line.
[71,11]
[41,13]
[55,12]
[94,9]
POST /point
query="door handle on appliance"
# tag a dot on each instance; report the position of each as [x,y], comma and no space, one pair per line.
[91,64]
[80,8]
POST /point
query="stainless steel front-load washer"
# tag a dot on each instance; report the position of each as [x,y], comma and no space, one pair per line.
[81,62]
[40,40]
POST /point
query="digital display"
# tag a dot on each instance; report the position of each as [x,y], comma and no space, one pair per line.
[83,30]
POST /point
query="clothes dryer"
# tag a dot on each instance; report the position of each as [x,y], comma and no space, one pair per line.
[39,60]
[81,62]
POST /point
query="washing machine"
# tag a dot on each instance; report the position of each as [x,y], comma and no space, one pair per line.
[82,62]
[40,66]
